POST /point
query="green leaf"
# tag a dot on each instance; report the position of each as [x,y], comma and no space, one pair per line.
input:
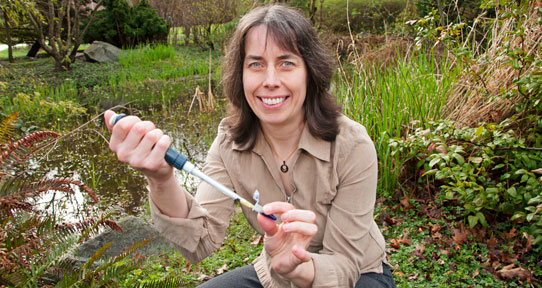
[498,166]
[535,200]
[512,192]
[492,190]
[482,219]
[530,217]
[517,215]
[479,131]
[476,160]
[459,158]
[434,161]
[473,220]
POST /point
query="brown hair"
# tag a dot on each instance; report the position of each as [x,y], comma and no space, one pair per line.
[292,32]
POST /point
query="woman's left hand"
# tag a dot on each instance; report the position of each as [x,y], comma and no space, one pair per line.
[287,242]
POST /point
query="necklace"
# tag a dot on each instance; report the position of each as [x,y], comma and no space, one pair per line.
[283,167]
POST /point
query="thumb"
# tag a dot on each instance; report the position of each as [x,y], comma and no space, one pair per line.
[107,116]
[269,226]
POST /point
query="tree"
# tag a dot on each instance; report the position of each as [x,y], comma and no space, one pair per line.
[58,26]
[125,26]
[13,15]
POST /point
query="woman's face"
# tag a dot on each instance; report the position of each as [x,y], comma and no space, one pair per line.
[274,80]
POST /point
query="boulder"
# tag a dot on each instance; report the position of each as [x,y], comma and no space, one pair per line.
[134,230]
[100,52]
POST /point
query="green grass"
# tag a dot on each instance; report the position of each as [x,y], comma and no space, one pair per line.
[17,52]
[388,100]
[239,249]
[146,76]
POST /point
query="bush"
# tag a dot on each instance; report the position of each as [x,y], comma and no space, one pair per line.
[488,170]
[125,26]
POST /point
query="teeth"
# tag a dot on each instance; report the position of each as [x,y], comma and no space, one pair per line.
[273,101]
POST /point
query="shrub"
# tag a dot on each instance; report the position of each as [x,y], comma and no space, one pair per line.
[490,171]
[125,26]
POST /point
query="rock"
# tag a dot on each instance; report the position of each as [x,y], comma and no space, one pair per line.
[134,230]
[100,51]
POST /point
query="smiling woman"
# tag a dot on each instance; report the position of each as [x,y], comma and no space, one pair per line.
[286,138]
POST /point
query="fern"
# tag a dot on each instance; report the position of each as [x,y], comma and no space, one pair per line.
[7,128]
[23,148]
[32,241]
[54,256]
[170,282]
[104,274]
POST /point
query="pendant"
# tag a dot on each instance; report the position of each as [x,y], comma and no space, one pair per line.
[283,167]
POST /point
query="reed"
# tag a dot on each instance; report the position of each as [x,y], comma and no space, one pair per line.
[388,100]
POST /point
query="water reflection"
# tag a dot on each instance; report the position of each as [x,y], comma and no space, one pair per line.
[85,155]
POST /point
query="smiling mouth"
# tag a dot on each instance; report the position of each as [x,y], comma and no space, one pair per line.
[273,101]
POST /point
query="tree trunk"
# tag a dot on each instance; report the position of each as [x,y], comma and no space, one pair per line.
[312,11]
[8,36]
[441,12]
[61,65]
[321,14]
[34,49]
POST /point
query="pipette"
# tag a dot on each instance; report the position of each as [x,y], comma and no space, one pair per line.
[180,162]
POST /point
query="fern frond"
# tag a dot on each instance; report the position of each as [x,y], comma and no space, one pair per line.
[169,282]
[56,184]
[107,271]
[102,221]
[9,204]
[23,189]
[25,147]
[53,257]
[7,128]
[12,185]
[29,238]
[115,271]
[84,273]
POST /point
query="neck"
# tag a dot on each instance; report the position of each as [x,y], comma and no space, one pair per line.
[284,138]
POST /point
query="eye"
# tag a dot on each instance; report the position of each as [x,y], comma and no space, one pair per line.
[288,63]
[255,65]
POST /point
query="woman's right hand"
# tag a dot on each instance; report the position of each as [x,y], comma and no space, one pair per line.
[141,145]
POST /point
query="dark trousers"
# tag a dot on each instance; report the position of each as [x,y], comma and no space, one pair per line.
[245,277]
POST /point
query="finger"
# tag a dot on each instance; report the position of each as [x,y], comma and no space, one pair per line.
[159,151]
[148,141]
[121,130]
[143,151]
[301,253]
[269,226]
[136,134]
[307,229]
[277,207]
[298,215]
[107,116]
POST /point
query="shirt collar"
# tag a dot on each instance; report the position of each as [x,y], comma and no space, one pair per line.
[317,147]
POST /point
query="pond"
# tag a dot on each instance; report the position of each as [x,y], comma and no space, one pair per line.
[84,155]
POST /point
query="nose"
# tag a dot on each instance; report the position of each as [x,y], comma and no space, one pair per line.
[271,78]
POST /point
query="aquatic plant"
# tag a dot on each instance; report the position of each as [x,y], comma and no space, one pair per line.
[35,244]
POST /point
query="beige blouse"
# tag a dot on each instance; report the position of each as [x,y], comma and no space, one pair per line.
[336,180]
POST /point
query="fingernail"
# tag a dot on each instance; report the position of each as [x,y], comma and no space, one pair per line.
[266,209]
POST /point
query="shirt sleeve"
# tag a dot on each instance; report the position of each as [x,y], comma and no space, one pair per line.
[350,220]
[202,232]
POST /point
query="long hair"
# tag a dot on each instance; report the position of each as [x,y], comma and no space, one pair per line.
[292,32]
